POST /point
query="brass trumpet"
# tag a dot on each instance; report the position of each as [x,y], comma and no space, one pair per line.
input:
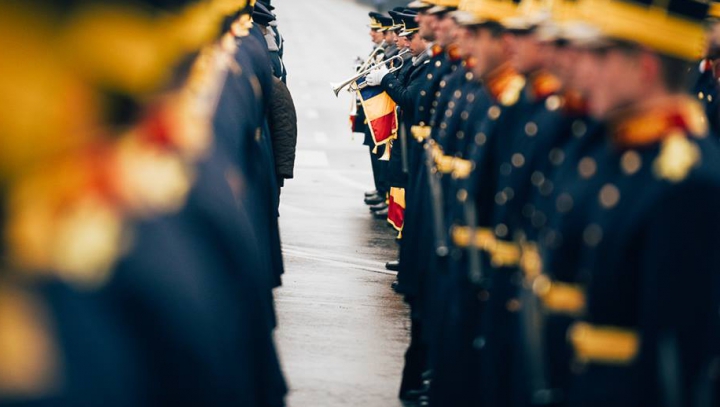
[397,59]
[373,56]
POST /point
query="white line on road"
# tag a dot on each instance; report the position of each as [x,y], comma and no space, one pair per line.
[310,256]
[333,256]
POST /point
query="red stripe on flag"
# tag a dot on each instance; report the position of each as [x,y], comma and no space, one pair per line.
[396,214]
[384,127]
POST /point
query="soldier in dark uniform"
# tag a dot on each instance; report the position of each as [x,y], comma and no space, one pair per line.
[409,275]
[405,94]
[387,26]
[278,38]
[628,214]
[545,363]
[379,195]
[264,18]
[399,157]
[382,152]
[537,127]
[246,137]
[462,362]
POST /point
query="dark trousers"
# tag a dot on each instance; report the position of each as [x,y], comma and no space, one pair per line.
[415,359]
[379,169]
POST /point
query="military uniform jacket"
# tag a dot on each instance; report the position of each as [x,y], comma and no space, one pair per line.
[647,235]
[397,176]
[415,221]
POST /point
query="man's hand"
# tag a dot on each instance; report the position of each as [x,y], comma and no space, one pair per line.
[375,77]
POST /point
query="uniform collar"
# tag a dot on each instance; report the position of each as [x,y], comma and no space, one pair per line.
[650,122]
[505,84]
[542,84]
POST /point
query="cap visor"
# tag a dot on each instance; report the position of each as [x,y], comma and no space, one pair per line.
[466,18]
[419,5]
[437,10]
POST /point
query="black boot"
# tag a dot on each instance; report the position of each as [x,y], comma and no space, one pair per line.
[375,199]
[378,207]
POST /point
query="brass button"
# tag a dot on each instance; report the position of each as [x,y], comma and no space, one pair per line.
[531,129]
[592,235]
[556,156]
[553,102]
[579,128]
[518,160]
[609,196]
[501,230]
[587,167]
[630,162]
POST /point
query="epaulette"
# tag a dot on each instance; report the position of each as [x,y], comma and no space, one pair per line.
[453,53]
[543,85]
[650,124]
[671,122]
[505,85]
[436,50]
[678,156]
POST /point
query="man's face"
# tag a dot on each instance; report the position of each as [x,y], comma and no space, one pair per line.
[417,44]
[526,55]
[445,30]
[375,36]
[560,60]
[489,51]
[616,79]
[402,42]
[389,37]
[426,23]
[582,69]
[466,39]
[548,52]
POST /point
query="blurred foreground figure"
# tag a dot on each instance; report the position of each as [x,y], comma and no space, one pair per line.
[130,273]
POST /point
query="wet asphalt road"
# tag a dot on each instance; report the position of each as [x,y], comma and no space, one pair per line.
[342,330]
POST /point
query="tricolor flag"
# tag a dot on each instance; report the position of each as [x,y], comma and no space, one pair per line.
[396,208]
[380,113]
